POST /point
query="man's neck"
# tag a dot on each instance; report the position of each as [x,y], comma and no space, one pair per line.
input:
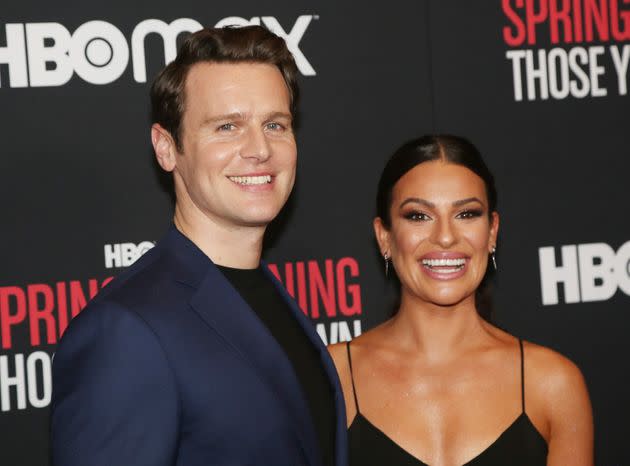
[230,246]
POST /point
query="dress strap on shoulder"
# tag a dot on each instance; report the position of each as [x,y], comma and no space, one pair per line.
[520,344]
[354,391]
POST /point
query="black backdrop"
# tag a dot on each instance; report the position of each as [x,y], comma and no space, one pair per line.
[539,85]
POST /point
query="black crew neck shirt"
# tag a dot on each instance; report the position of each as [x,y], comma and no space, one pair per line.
[265,300]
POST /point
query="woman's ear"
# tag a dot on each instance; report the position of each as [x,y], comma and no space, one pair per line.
[494,231]
[382,237]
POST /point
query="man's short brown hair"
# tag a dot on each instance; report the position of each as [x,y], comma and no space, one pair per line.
[253,44]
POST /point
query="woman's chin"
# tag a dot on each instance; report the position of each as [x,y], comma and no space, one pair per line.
[447,298]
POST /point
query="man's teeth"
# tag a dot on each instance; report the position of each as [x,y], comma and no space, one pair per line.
[444,262]
[264,179]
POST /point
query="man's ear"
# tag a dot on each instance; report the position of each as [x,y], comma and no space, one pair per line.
[164,147]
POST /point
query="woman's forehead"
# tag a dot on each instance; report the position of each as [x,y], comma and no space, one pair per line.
[436,180]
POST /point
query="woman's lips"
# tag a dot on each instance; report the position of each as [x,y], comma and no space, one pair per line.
[444,266]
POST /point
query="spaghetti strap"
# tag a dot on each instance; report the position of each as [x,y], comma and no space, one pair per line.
[354,391]
[520,343]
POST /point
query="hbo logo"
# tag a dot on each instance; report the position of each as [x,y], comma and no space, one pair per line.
[47,54]
[125,254]
[588,272]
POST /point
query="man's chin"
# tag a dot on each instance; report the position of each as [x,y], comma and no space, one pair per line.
[257,221]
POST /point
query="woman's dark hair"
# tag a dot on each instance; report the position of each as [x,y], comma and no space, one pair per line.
[449,149]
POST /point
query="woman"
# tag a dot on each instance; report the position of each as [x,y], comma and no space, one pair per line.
[437,384]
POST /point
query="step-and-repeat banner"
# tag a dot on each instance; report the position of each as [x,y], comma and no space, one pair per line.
[540,86]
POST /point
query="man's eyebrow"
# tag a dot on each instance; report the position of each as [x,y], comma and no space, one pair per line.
[224,117]
[274,115]
[240,116]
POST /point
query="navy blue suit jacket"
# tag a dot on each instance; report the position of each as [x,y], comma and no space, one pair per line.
[168,366]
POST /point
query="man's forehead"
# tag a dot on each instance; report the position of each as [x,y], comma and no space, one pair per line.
[222,91]
[203,72]
[236,80]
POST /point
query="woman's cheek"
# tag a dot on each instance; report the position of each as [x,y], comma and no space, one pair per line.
[408,240]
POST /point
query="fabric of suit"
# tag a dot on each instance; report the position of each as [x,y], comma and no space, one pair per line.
[168,366]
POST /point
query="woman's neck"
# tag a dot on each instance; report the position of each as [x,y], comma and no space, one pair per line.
[438,332]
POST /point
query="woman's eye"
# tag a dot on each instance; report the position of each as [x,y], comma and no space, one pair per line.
[470,214]
[416,216]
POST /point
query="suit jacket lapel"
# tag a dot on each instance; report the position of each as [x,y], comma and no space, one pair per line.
[223,308]
[341,453]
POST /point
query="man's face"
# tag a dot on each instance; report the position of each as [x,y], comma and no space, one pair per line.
[238,158]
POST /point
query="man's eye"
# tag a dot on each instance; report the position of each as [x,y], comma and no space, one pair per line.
[227,127]
[275,126]
[473,213]
[417,216]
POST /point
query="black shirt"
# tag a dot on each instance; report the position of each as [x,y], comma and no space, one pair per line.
[261,295]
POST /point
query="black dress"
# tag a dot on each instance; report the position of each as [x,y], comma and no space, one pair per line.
[519,445]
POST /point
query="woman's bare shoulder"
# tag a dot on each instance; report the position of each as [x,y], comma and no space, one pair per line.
[342,354]
[551,367]
[339,354]
[556,393]
[339,351]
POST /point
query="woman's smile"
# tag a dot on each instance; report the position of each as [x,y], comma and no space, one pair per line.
[444,265]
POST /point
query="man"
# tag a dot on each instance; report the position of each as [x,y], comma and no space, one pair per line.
[196,355]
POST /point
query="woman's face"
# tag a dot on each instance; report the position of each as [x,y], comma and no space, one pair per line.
[440,234]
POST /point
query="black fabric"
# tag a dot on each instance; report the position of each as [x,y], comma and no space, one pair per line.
[519,445]
[264,299]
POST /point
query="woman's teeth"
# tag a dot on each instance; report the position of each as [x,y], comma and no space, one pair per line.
[446,265]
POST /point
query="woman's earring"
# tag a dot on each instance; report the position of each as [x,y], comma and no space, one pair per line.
[386,257]
[494,260]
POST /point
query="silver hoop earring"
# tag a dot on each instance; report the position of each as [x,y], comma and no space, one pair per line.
[494,260]
[386,257]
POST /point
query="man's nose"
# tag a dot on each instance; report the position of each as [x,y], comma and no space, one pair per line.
[256,145]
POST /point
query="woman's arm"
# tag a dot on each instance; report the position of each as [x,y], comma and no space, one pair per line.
[569,413]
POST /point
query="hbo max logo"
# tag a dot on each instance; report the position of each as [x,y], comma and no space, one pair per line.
[125,254]
[48,54]
[587,272]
